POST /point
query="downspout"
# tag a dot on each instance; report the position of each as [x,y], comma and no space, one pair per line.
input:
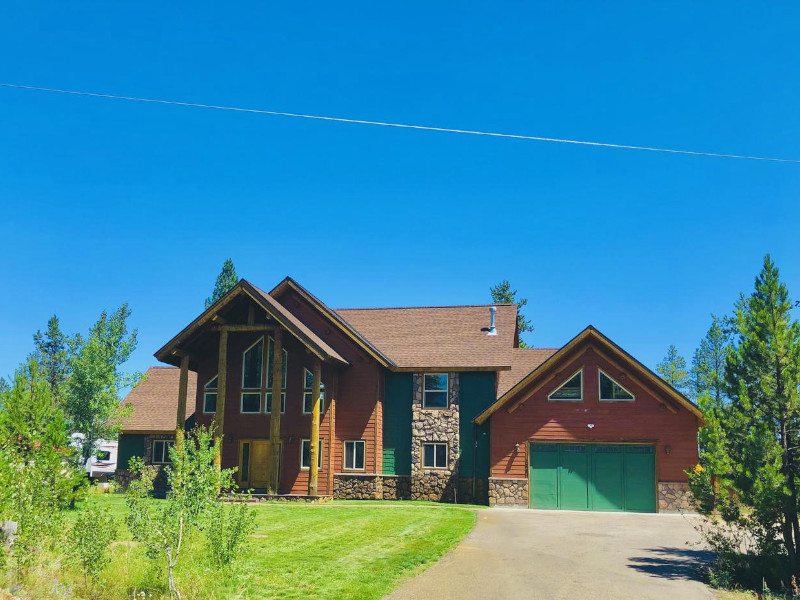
[474,457]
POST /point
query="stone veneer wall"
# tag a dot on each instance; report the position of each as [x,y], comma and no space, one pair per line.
[674,496]
[358,487]
[396,487]
[434,425]
[508,492]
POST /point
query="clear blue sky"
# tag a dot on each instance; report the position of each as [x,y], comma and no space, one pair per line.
[105,202]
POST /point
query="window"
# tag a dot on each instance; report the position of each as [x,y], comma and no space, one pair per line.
[354,455]
[610,390]
[251,402]
[572,390]
[268,395]
[210,396]
[305,454]
[434,393]
[161,451]
[252,361]
[244,472]
[434,456]
[308,392]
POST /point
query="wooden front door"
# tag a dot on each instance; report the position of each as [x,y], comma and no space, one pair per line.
[254,461]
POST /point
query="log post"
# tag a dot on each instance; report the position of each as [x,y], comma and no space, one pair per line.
[219,415]
[313,451]
[183,387]
[275,414]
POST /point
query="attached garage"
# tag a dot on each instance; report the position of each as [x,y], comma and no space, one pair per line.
[603,477]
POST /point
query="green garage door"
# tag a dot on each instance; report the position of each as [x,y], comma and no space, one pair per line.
[593,477]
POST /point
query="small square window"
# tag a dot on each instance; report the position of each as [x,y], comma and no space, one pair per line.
[210,396]
[305,454]
[308,393]
[268,402]
[354,455]
[161,451]
[251,402]
[434,394]
[434,456]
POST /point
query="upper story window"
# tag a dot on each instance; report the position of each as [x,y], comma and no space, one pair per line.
[252,363]
[210,396]
[270,359]
[308,392]
[434,390]
[611,391]
[572,390]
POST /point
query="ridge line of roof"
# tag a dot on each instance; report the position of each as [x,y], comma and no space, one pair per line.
[423,307]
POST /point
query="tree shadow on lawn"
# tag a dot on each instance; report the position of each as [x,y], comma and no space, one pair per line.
[672,563]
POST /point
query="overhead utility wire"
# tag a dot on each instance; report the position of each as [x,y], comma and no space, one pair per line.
[399,125]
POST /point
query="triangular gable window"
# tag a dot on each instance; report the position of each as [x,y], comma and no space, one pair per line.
[611,391]
[572,390]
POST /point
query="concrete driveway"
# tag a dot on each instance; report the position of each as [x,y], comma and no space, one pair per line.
[518,553]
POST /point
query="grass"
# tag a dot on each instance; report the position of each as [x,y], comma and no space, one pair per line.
[297,551]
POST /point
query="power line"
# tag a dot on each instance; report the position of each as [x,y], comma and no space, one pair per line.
[399,125]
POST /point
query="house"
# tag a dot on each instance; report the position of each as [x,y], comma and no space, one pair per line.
[434,403]
[148,430]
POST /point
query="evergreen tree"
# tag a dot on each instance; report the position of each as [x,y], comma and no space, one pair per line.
[708,363]
[93,389]
[51,352]
[226,280]
[673,370]
[503,294]
[764,431]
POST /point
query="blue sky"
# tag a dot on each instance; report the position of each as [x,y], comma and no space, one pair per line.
[105,202]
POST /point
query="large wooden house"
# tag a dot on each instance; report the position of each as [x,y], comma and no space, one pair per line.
[428,403]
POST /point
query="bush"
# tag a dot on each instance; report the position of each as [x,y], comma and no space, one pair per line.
[227,529]
[90,538]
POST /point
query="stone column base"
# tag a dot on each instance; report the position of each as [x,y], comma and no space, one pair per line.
[674,496]
[508,492]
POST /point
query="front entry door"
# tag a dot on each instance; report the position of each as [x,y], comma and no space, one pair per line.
[254,462]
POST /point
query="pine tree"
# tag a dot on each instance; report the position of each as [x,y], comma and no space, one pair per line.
[226,280]
[708,363]
[503,294]
[51,352]
[673,370]
[763,430]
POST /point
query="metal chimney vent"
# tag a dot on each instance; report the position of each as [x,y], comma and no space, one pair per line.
[492,320]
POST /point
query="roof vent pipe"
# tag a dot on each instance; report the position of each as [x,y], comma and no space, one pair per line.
[493,318]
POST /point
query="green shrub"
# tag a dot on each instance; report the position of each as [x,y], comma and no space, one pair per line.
[89,540]
[227,530]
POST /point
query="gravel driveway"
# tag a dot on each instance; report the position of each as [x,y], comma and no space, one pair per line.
[518,553]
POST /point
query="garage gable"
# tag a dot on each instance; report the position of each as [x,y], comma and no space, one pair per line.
[591,369]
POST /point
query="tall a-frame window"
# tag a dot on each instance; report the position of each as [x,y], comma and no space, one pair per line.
[611,391]
[270,359]
[252,372]
[571,390]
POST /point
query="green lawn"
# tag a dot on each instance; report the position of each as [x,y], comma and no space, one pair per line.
[301,551]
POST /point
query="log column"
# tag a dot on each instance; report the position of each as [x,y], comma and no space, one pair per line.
[219,415]
[183,387]
[313,451]
[275,414]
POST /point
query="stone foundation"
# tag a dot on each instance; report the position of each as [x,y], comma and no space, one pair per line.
[508,492]
[437,486]
[358,487]
[123,477]
[674,496]
[255,498]
[396,487]
[465,491]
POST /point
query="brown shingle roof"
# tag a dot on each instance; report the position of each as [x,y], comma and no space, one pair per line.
[155,401]
[523,361]
[438,337]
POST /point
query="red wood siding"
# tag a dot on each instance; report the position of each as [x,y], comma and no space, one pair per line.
[643,420]
[356,390]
